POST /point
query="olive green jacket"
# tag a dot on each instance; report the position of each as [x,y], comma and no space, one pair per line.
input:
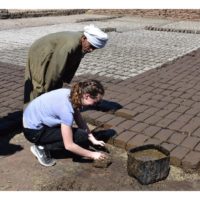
[52,60]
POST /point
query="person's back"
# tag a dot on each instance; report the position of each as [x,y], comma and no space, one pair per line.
[54,59]
[49,109]
[51,58]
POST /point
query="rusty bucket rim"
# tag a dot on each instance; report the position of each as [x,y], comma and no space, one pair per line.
[149,146]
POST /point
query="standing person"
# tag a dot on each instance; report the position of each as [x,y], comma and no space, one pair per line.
[48,119]
[54,59]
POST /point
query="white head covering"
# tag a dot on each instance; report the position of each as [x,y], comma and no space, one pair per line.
[95,36]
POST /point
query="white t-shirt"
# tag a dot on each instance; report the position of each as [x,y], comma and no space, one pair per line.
[50,109]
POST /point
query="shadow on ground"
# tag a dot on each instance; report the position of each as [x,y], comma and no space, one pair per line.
[105,106]
[10,126]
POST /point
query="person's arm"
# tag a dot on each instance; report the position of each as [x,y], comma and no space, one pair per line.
[83,125]
[71,146]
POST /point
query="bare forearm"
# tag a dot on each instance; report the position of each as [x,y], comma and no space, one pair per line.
[79,150]
[80,121]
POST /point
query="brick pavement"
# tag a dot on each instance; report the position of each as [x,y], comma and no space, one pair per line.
[160,106]
[130,46]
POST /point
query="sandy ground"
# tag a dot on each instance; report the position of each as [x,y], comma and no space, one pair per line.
[20,171]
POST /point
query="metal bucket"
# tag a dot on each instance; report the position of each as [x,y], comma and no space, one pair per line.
[148,164]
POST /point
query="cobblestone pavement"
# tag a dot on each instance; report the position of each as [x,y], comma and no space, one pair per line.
[159,105]
[131,46]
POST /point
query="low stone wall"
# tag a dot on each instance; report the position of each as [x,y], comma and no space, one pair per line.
[186,14]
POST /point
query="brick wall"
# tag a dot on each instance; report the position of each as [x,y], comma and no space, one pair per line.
[190,14]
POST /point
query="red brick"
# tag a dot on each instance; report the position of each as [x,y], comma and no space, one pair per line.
[190,142]
[177,155]
[176,138]
[191,160]
[123,138]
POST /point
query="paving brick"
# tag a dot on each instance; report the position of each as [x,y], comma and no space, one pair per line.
[114,122]
[196,133]
[136,141]
[118,130]
[177,101]
[151,110]
[177,154]
[125,113]
[185,118]
[170,107]
[188,103]
[164,123]
[127,124]
[168,146]
[131,106]
[190,142]
[163,134]
[191,160]
[141,108]
[141,117]
[103,119]
[152,141]
[176,125]
[163,113]
[190,127]
[173,115]
[139,127]
[181,109]
[123,138]
[196,105]
[152,120]
[176,138]
[151,130]
[158,96]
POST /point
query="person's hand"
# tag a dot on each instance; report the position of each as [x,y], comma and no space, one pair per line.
[98,155]
[95,141]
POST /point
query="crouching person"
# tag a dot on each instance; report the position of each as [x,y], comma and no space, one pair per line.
[48,119]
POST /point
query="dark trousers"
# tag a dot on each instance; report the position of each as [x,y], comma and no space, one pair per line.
[51,137]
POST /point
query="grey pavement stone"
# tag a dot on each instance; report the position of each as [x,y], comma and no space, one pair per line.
[130,51]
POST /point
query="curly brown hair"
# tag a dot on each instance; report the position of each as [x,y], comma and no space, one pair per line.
[92,87]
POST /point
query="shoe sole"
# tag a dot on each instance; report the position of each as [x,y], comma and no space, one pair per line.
[33,151]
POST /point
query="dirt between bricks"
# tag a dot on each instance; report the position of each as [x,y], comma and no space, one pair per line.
[20,171]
